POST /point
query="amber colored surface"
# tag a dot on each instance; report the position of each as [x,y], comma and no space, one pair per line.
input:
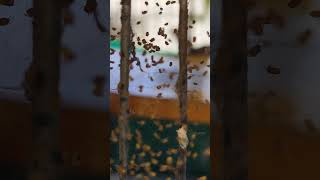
[163,108]
[275,152]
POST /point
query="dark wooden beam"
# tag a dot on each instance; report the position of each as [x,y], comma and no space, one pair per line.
[231,91]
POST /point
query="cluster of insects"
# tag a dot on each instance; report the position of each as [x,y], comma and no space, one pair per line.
[159,157]
[256,25]
[156,155]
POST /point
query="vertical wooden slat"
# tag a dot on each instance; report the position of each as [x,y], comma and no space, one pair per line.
[124,85]
[182,85]
[46,158]
[231,88]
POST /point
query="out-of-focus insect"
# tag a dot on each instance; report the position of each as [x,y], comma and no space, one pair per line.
[68,55]
[144,12]
[67,16]
[202,178]
[205,73]
[315,14]
[256,25]
[7,2]
[4,21]
[254,51]
[273,69]
[274,18]
[194,39]
[294,3]
[29,12]
[140,88]
[112,51]
[91,6]
[304,36]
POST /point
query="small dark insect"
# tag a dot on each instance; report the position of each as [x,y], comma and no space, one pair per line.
[140,88]
[7,2]
[315,13]
[195,83]
[166,42]
[274,18]
[139,22]
[67,17]
[194,39]
[208,33]
[4,21]
[172,2]
[67,53]
[257,25]
[273,70]
[157,48]
[170,64]
[189,77]
[29,12]
[171,75]
[159,95]
[144,12]
[168,2]
[144,41]
[114,29]
[147,33]
[205,73]
[152,39]
[146,3]
[144,53]
[112,51]
[194,21]
[161,9]
[304,36]
[151,78]
[157,4]
[175,31]
[190,26]
[254,51]
[161,31]
[294,3]
[91,6]
[112,37]
[160,13]
[201,62]
[166,24]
